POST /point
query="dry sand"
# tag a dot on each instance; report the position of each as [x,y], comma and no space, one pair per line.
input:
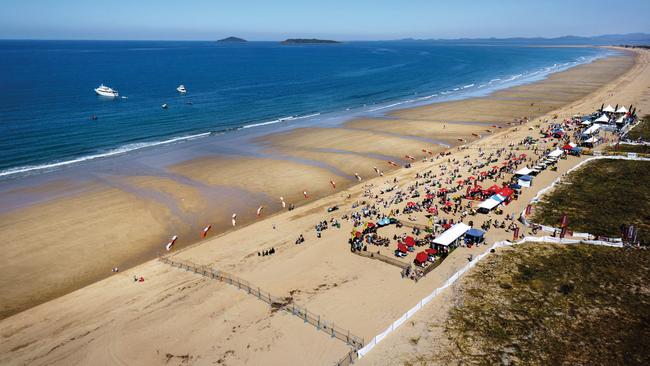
[117,321]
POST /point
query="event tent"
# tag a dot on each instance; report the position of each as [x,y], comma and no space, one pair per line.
[421,257]
[602,119]
[491,202]
[525,180]
[622,109]
[474,235]
[523,171]
[451,235]
[586,123]
[591,130]
[555,153]
[621,119]
[609,108]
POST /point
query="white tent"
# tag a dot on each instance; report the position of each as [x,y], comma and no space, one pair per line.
[620,119]
[555,153]
[489,203]
[591,130]
[523,171]
[524,183]
[586,123]
[602,118]
[452,234]
[591,140]
[609,108]
[622,109]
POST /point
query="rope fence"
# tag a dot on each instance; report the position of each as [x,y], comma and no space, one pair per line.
[285,304]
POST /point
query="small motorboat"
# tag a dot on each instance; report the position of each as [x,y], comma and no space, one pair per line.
[105,91]
[164,106]
[181,89]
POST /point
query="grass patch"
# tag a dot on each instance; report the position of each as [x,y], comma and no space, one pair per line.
[563,305]
[642,130]
[639,149]
[600,197]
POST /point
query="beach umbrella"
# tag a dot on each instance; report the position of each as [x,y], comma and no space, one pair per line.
[409,241]
[442,190]
[171,243]
[370,225]
[496,167]
[421,257]
[358,234]
[449,204]
[411,204]
[429,196]
[402,248]
[205,231]
[460,181]
[431,251]
[433,210]
[472,177]
[483,174]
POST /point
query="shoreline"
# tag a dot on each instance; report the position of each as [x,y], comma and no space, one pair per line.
[321,274]
[389,106]
[298,145]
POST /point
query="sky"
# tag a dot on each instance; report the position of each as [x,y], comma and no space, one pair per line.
[335,19]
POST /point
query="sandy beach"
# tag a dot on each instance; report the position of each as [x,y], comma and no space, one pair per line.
[179,316]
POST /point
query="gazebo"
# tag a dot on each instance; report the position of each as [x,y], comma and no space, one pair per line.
[602,119]
[609,109]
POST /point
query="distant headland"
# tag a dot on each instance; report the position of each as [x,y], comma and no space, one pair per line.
[307,41]
[232,39]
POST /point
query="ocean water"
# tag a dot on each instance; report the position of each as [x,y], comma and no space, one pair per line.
[48,98]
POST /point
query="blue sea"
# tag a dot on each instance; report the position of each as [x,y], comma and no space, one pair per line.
[48,98]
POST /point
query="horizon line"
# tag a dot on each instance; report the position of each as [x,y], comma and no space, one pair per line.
[351,40]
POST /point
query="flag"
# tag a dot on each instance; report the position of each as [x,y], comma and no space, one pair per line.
[205,231]
[564,221]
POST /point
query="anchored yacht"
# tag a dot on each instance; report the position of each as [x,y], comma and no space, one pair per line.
[181,89]
[105,91]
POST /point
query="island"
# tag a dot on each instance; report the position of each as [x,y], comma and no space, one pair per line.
[308,41]
[232,39]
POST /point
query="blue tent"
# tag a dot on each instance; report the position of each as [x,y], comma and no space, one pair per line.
[526,178]
[474,236]
[383,222]
[514,186]
[475,233]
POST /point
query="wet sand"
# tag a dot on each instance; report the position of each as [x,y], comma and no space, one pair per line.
[118,321]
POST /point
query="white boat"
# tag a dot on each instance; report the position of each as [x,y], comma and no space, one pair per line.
[181,89]
[164,106]
[105,91]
